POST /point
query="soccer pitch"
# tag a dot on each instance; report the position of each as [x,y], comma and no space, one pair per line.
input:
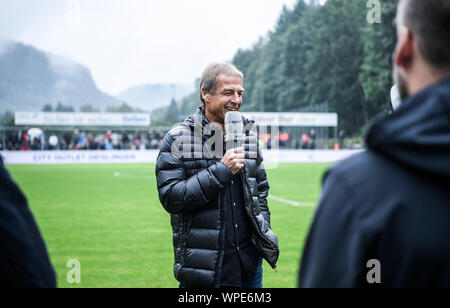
[109,218]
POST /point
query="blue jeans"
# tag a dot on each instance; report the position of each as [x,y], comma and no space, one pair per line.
[255,283]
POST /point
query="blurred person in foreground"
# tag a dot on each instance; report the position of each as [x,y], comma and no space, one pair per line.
[24,261]
[218,203]
[383,219]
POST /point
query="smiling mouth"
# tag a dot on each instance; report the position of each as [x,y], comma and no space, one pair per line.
[231,109]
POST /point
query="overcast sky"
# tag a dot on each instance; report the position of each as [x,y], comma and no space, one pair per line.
[132,42]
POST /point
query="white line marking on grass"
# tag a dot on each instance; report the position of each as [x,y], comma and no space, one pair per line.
[290,202]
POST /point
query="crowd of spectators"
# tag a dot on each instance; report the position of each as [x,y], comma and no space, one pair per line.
[81,140]
[308,141]
[36,139]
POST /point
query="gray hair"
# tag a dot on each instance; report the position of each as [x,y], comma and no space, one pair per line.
[430,22]
[210,75]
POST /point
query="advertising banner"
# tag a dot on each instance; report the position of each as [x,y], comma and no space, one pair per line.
[78,157]
[82,119]
[271,157]
[293,119]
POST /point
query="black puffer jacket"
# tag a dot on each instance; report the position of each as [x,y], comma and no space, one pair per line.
[190,189]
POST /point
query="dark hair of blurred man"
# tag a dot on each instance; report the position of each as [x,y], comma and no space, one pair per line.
[383,218]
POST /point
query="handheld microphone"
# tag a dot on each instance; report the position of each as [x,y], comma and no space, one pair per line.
[234,127]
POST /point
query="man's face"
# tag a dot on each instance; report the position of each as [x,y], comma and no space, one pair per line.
[228,97]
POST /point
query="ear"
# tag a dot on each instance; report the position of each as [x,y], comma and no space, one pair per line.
[205,96]
[404,51]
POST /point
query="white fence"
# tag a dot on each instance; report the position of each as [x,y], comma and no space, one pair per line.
[271,158]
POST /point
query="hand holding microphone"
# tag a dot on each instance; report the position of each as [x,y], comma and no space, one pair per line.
[234,158]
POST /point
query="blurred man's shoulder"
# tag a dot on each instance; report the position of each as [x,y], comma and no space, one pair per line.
[362,169]
[363,179]
[356,162]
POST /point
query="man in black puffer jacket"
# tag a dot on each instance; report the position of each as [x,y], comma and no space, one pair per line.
[218,203]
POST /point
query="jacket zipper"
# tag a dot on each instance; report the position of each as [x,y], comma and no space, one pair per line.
[254,220]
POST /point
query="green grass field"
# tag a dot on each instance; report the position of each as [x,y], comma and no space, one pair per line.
[110,219]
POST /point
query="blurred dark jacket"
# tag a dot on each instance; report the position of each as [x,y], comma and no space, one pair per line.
[24,261]
[390,203]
